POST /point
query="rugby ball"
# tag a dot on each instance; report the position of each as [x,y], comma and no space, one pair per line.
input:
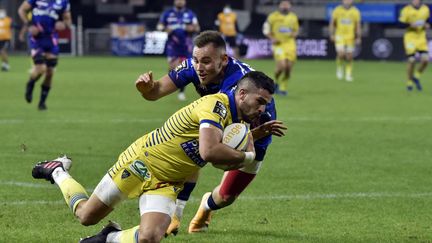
[236,135]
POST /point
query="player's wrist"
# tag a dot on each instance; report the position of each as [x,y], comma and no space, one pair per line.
[249,157]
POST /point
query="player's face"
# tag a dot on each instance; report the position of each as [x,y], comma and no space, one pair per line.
[347,3]
[179,3]
[416,3]
[209,63]
[284,6]
[252,103]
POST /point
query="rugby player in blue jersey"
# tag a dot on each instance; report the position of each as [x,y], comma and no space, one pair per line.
[211,70]
[181,24]
[48,17]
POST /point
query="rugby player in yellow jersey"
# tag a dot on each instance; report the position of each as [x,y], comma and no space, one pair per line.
[282,27]
[155,166]
[227,23]
[345,32]
[415,16]
[5,37]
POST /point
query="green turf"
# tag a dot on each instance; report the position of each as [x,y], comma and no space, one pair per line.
[355,165]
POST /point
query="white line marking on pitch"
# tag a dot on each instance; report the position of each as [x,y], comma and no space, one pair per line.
[305,119]
[306,197]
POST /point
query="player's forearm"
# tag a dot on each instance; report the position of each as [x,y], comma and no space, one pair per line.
[221,154]
[23,16]
[67,19]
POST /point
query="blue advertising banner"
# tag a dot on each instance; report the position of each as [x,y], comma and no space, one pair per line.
[372,13]
[127,39]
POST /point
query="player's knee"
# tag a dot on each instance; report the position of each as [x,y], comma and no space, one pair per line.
[51,63]
[150,236]
[86,218]
[411,59]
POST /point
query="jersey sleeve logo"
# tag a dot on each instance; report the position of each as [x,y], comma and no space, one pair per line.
[182,66]
[220,109]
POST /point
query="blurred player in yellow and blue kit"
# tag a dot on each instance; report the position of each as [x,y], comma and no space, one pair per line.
[5,37]
[345,32]
[227,23]
[282,28]
[415,17]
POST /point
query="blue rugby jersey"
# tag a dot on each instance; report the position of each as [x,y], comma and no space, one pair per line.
[179,43]
[46,12]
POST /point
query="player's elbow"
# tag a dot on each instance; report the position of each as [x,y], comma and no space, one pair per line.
[209,153]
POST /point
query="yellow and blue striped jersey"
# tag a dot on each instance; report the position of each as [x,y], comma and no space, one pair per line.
[346,21]
[172,151]
[282,26]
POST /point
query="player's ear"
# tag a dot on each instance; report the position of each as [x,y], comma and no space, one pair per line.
[225,59]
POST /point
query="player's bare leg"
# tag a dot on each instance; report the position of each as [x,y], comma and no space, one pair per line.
[38,70]
[89,211]
[232,185]
[349,66]
[410,72]
[340,59]
[5,61]
[424,60]
[278,75]
[181,201]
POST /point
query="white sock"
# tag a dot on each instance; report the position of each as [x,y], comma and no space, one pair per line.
[180,205]
[206,206]
[59,175]
[113,237]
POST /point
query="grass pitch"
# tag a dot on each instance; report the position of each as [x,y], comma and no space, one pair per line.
[355,165]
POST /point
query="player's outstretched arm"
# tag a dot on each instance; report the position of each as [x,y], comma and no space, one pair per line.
[153,90]
[273,127]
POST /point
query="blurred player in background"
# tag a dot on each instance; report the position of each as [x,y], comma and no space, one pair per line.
[181,24]
[211,70]
[345,32]
[227,23]
[415,17]
[282,28]
[155,166]
[5,37]
[48,17]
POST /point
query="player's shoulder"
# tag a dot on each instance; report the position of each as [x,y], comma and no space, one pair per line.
[184,66]
[338,8]
[273,15]
[407,7]
[190,12]
[424,7]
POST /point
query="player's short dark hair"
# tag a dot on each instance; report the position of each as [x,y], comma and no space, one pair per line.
[259,79]
[210,36]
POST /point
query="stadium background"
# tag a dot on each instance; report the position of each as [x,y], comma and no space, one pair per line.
[355,165]
[95,33]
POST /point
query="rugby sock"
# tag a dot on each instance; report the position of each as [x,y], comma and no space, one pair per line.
[183,197]
[338,63]
[72,191]
[124,236]
[210,204]
[283,84]
[348,69]
[180,205]
[417,74]
[44,93]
